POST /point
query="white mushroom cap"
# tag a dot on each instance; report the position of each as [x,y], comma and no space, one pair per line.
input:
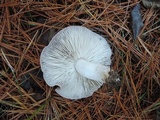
[76,60]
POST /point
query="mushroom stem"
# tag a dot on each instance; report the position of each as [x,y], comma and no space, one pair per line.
[92,70]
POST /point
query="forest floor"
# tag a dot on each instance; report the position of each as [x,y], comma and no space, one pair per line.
[26,27]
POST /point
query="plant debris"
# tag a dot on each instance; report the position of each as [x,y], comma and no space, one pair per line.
[151,3]
[137,22]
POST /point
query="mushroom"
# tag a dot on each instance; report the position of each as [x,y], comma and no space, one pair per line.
[77,61]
